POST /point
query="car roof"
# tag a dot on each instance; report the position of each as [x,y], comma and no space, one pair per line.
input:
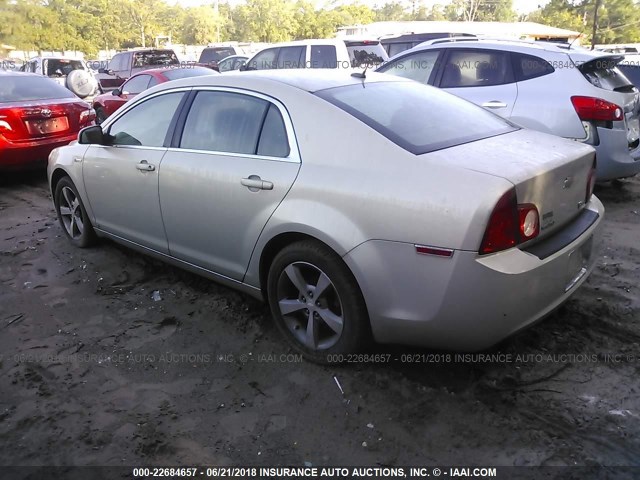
[55,57]
[575,52]
[310,80]
[311,41]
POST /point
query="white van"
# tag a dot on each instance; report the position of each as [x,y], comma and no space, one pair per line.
[302,54]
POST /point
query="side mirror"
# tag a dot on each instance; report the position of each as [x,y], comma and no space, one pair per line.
[92,136]
[116,92]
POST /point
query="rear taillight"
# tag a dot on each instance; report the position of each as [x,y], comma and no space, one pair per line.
[596,109]
[510,224]
[11,126]
[591,181]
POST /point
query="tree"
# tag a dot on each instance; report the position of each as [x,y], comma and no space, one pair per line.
[390,12]
[202,25]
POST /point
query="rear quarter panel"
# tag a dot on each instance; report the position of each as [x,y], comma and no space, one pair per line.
[355,185]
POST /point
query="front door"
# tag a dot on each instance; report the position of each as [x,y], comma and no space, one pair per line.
[121,179]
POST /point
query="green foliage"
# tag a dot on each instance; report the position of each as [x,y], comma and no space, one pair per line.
[618,20]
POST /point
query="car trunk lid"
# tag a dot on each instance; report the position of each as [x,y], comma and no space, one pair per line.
[550,172]
[41,119]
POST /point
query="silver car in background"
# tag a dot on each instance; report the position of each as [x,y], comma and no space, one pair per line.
[570,92]
[321,193]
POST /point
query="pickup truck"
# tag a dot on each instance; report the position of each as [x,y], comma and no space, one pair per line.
[125,64]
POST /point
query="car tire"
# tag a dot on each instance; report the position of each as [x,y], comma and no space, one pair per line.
[334,323]
[100,116]
[72,215]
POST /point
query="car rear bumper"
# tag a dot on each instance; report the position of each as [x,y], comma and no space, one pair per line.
[615,160]
[16,156]
[467,302]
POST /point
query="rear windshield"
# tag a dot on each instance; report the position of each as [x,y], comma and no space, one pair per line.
[157,57]
[416,117]
[174,74]
[19,88]
[56,67]
[370,53]
[603,73]
[209,55]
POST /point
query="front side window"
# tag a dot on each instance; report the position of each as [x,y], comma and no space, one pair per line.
[265,60]
[224,122]
[417,66]
[136,84]
[147,123]
[416,117]
[476,68]
[116,63]
[323,56]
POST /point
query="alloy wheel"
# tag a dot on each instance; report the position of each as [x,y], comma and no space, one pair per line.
[310,306]
[71,213]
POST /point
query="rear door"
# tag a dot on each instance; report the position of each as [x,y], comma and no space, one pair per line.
[224,176]
[482,76]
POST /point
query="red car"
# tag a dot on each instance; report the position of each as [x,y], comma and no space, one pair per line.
[107,103]
[36,116]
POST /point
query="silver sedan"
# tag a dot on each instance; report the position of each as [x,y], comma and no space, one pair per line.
[358,207]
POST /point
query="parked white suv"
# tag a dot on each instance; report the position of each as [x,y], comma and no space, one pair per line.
[345,54]
[570,92]
[71,73]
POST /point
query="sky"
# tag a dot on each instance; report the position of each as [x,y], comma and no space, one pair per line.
[520,6]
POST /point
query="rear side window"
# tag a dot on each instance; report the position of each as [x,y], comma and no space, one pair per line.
[20,88]
[224,122]
[291,57]
[476,68]
[147,123]
[416,117]
[526,67]
[603,73]
[417,66]
[273,139]
[323,56]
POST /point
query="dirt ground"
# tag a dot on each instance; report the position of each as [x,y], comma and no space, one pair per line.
[94,371]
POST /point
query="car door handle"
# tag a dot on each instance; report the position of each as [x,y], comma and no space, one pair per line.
[145,166]
[255,183]
[494,104]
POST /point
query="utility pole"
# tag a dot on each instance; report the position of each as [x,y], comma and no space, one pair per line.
[216,8]
[595,25]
